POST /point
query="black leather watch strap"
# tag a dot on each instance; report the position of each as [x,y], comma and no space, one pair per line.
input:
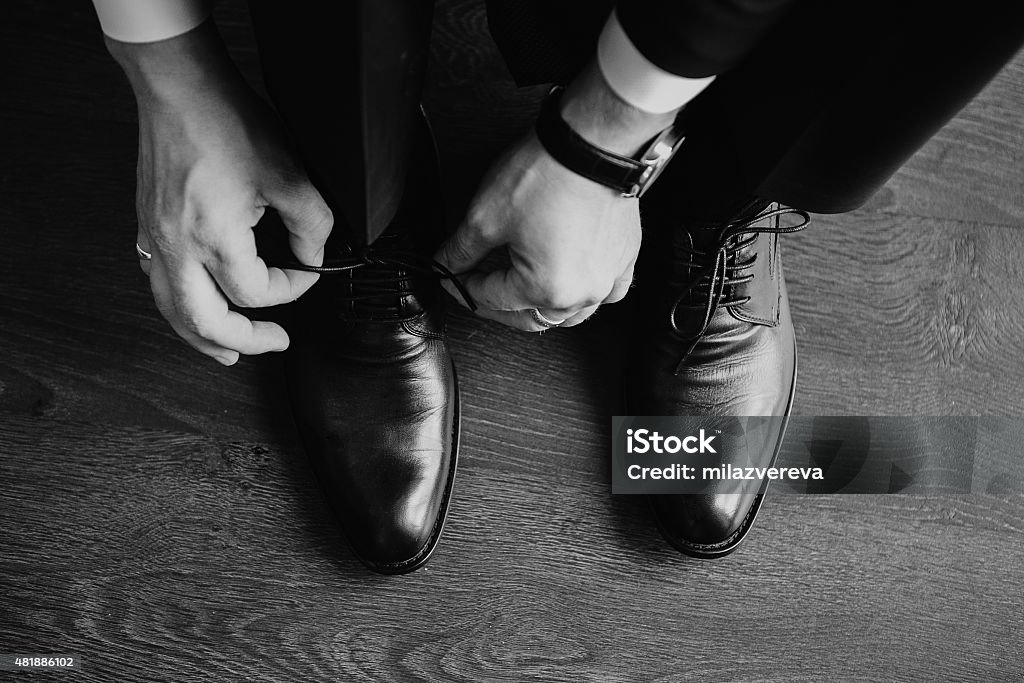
[613,170]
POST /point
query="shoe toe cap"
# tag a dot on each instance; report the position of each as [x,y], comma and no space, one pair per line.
[392,509]
[704,525]
[394,540]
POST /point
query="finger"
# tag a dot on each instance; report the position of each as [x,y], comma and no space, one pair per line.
[247,281]
[499,290]
[463,250]
[160,284]
[524,320]
[196,305]
[621,288]
[306,216]
[142,239]
[520,320]
[580,317]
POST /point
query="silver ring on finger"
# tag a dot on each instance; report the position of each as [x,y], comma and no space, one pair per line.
[539,318]
[143,254]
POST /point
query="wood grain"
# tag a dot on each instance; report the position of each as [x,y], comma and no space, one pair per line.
[921,316]
[218,558]
[158,517]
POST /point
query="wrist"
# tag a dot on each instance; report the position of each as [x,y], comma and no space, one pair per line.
[182,66]
[629,174]
[602,118]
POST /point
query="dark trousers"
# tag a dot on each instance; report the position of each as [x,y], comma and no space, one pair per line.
[349,93]
[818,116]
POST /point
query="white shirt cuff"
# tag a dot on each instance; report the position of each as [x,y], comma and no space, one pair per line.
[636,79]
[146,21]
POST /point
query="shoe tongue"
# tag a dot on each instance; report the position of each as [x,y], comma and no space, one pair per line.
[705,234]
[704,238]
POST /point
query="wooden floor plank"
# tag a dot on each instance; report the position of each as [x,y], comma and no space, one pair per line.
[170,563]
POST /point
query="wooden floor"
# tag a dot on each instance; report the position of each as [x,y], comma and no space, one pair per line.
[157,516]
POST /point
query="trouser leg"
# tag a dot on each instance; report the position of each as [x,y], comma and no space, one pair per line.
[821,113]
[835,100]
[349,94]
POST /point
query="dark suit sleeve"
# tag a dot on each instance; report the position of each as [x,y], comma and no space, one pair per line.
[698,38]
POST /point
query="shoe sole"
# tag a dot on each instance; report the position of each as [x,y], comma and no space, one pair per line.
[715,550]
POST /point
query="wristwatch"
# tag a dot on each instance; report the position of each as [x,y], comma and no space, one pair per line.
[630,176]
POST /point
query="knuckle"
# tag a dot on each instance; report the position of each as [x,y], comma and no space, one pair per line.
[459,248]
[566,294]
[163,236]
[247,299]
[291,178]
[324,220]
[316,217]
[555,299]
[197,324]
[290,174]
[479,224]
[477,217]
[206,237]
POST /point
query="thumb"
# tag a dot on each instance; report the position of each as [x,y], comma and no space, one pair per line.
[466,247]
[306,216]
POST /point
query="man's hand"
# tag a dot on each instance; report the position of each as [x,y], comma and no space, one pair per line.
[572,242]
[212,157]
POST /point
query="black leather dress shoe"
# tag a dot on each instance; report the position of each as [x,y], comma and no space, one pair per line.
[374,392]
[715,338]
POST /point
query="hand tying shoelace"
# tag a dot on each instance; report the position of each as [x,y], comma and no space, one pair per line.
[385,273]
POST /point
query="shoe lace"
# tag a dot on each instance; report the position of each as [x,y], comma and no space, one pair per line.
[381,278]
[719,269]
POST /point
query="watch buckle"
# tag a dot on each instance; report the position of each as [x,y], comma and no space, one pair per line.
[654,160]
